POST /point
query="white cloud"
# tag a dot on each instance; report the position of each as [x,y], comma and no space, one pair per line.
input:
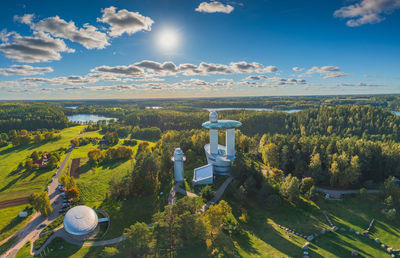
[336,75]
[297,69]
[147,68]
[26,18]
[327,72]
[25,70]
[8,84]
[40,47]
[274,80]
[214,7]
[124,21]
[69,80]
[244,67]
[256,77]
[89,36]
[323,69]
[267,69]
[367,11]
[360,84]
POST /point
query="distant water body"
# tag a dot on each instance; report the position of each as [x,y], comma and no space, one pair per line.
[83,118]
[254,109]
[72,107]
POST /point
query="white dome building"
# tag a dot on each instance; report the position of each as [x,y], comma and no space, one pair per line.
[80,220]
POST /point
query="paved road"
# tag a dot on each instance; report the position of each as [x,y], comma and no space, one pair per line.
[329,191]
[31,231]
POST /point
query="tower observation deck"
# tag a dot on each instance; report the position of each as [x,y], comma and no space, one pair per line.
[221,157]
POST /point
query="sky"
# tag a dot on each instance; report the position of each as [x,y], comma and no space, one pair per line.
[183,48]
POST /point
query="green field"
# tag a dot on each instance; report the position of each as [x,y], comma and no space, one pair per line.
[16,184]
[10,221]
[263,237]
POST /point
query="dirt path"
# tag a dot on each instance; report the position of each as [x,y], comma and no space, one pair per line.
[14,202]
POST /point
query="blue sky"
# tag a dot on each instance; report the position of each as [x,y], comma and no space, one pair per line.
[167,48]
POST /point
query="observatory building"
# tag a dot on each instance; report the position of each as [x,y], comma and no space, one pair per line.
[220,156]
[80,220]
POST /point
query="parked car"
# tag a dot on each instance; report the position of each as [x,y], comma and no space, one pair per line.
[55,173]
[42,225]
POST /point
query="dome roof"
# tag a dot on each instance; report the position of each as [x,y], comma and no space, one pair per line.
[80,220]
[213,117]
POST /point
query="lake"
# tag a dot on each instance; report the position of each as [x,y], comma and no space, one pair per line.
[72,107]
[253,109]
[84,118]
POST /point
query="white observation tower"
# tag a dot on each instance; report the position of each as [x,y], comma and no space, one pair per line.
[220,156]
[178,160]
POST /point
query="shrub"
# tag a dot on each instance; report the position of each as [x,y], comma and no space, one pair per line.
[110,252]
[390,214]
[207,193]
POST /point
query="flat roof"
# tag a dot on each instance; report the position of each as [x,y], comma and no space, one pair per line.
[203,172]
[222,124]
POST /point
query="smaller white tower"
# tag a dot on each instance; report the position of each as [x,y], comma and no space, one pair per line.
[178,160]
[213,133]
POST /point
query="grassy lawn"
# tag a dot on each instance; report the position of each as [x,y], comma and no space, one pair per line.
[263,238]
[11,222]
[14,183]
[25,251]
[60,248]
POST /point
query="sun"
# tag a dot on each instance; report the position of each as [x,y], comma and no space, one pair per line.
[168,39]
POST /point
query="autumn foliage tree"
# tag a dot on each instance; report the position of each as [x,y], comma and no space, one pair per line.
[41,202]
[73,193]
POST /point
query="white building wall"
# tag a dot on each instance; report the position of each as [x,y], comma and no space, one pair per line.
[213,141]
[230,142]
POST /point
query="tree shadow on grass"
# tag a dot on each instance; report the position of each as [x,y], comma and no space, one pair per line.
[15,221]
[392,230]
[61,248]
[124,213]
[334,244]
[244,242]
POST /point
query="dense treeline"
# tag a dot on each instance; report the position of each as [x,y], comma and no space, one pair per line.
[329,160]
[119,108]
[24,137]
[31,116]
[166,119]
[147,134]
[361,121]
[111,154]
